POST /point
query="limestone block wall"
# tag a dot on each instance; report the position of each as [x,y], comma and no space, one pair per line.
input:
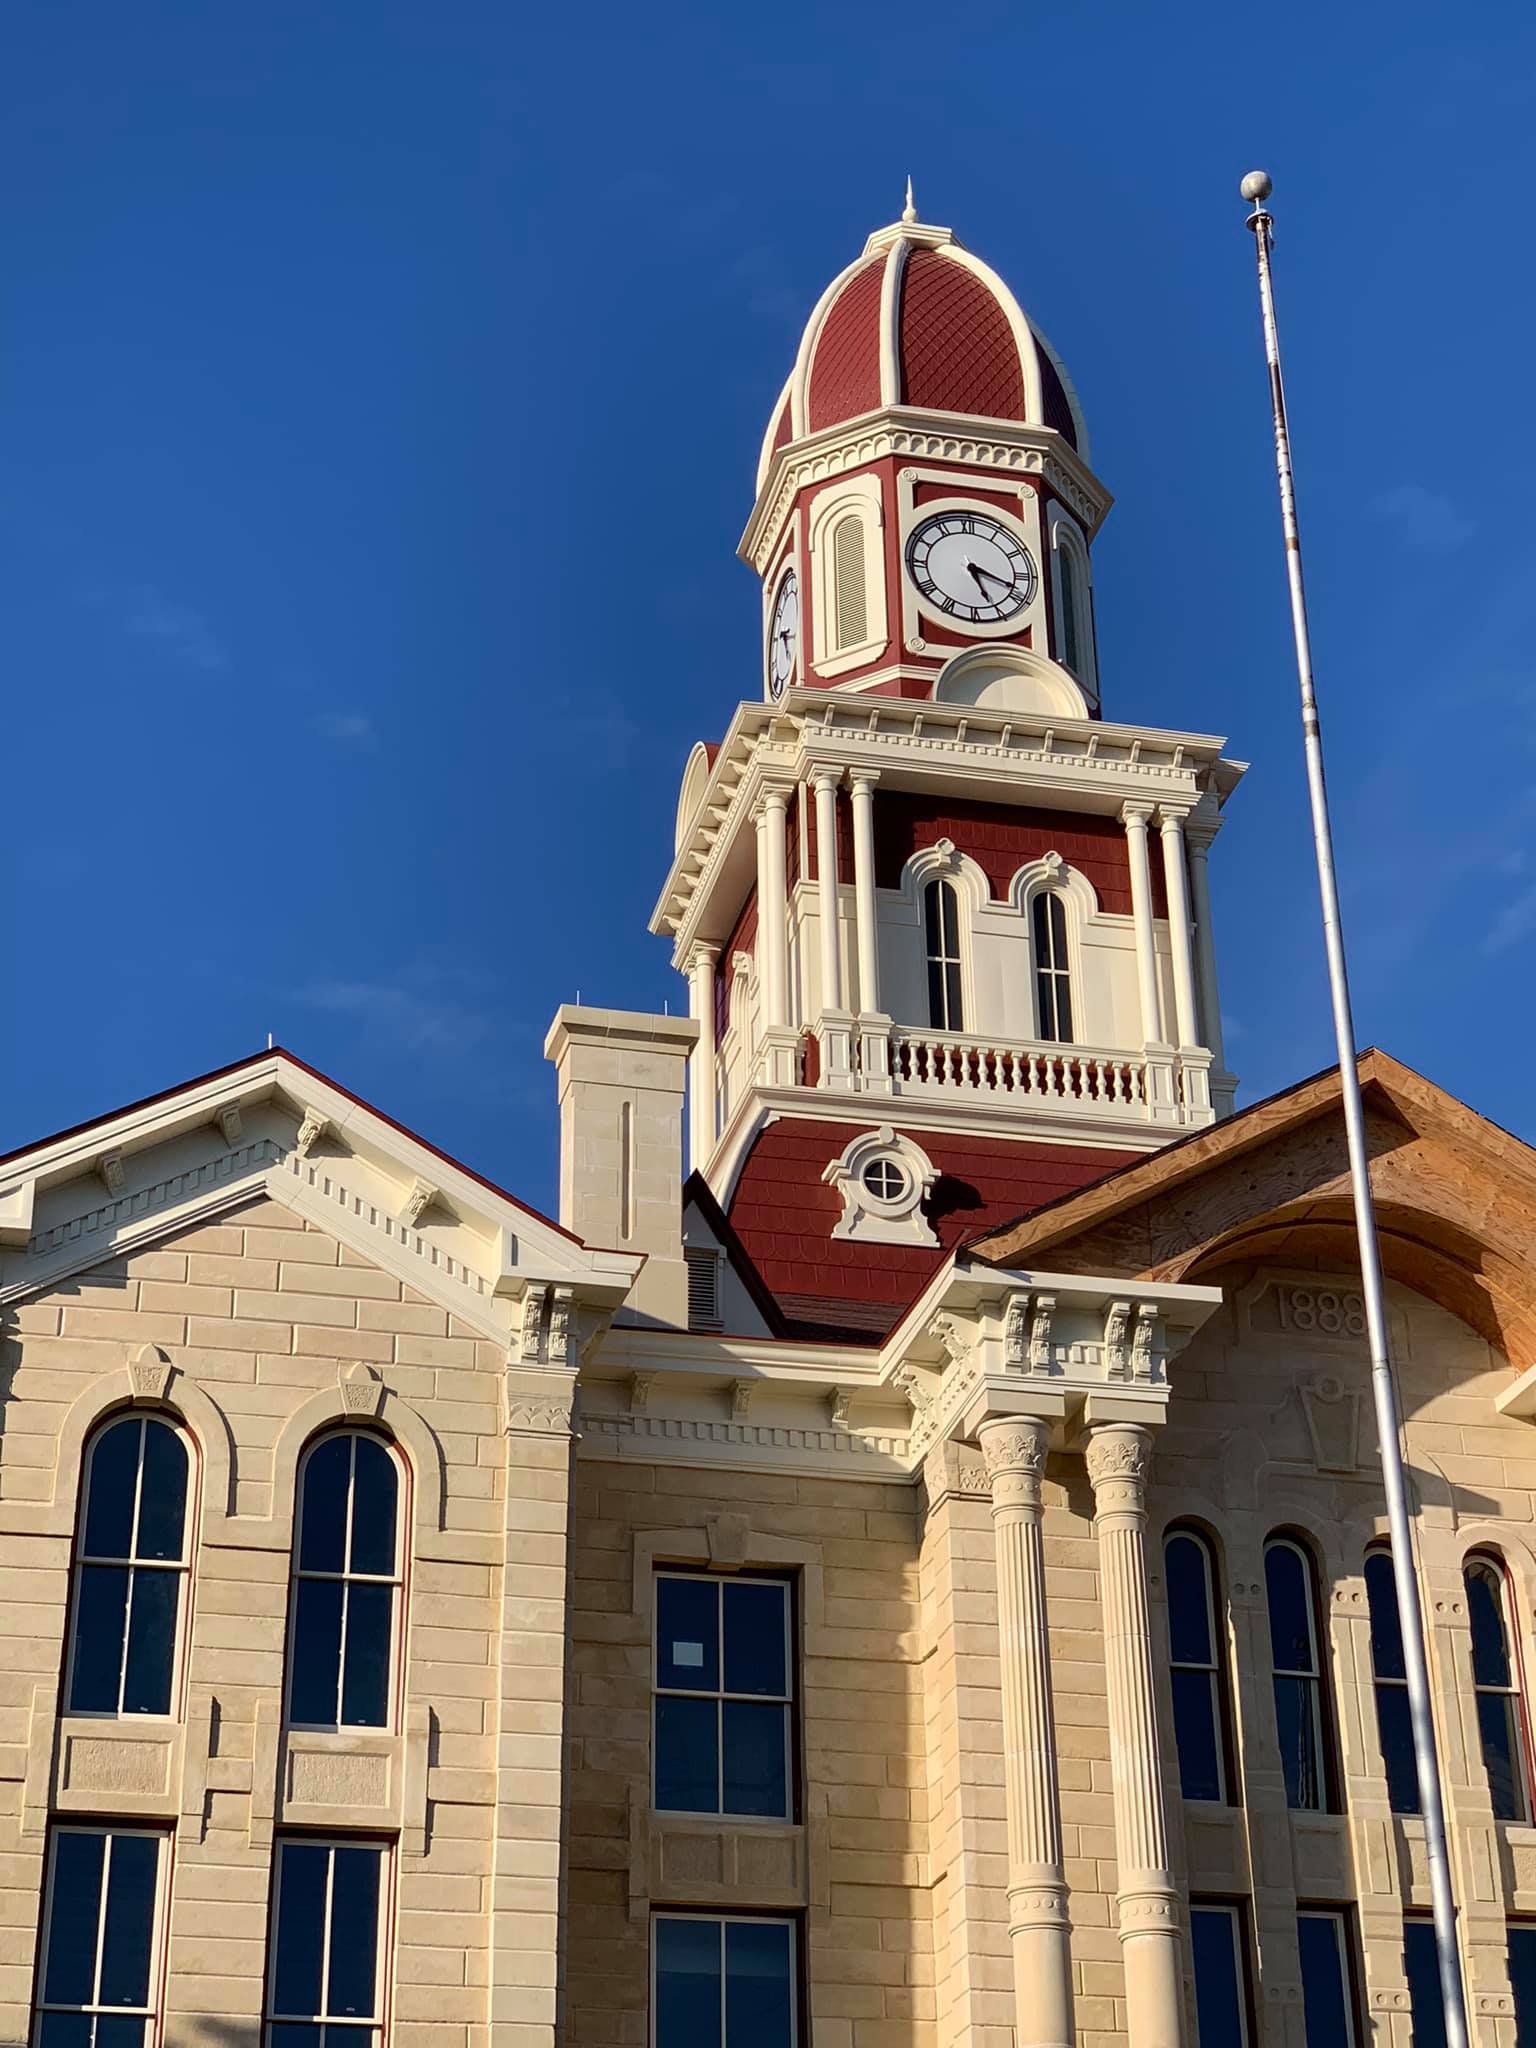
[854,1867]
[263,1329]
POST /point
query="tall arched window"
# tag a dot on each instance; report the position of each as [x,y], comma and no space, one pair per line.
[1390,1673]
[1067,584]
[130,1569]
[1201,1722]
[850,599]
[1053,978]
[1296,1662]
[941,927]
[345,1611]
[1496,1677]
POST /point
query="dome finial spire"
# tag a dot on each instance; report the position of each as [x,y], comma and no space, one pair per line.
[909,211]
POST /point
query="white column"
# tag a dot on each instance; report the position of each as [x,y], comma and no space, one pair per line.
[1118,1457]
[701,1063]
[1015,1451]
[1198,840]
[772,912]
[824,783]
[1136,817]
[862,784]
[1172,822]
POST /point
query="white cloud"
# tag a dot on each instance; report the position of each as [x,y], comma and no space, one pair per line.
[1423,518]
[352,727]
[422,1011]
[181,632]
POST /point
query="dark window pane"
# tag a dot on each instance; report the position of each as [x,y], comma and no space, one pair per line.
[1396,1731]
[1522,1979]
[365,1685]
[1069,646]
[375,1491]
[932,922]
[937,1016]
[1195,1735]
[300,1932]
[130,1920]
[756,1770]
[1386,1636]
[755,1645]
[316,1652]
[72,1918]
[1189,1624]
[307,2036]
[1296,1727]
[1288,1583]
[101,1615]
[687,1984]
[1063,1009]
[162,1493]
[118,2030]
[113,1476]
[687,1634]
[687,1759]
[349,2037]
[951,918]
[1218,1984]
[954,1018]
[64,2030]
[323,1509]
[151,1641]
[759,1987]
[1324,1984]
[354,1933]
[1421,1960]
[1497,1721]
[1485,1611]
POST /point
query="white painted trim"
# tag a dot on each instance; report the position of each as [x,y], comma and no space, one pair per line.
[857,497]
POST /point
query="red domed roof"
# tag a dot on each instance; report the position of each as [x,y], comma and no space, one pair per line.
[919,321]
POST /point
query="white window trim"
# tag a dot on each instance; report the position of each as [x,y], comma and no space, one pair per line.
[394,1579]
[1052,875]
[868,1218]
[379,2022]
[944,862]
[722,1920]
[182,1566]
[151,2011]
[859,495]
[1065,536]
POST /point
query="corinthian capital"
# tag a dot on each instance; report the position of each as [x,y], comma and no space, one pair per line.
[1119,1459]
[1014,1450]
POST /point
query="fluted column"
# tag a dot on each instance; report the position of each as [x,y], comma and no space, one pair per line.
[1015,1451]
[1119,1455]
[701,1064]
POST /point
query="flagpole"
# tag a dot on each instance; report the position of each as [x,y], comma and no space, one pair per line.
[1256,188]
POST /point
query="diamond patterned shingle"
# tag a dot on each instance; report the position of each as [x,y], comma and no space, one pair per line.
[957,349]
[845,370]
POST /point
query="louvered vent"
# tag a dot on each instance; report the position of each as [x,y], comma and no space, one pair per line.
[848,576]
[703,1288]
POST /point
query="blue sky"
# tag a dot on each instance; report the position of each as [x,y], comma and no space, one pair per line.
[380,388]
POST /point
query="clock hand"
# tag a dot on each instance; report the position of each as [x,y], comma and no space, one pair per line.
[990,574]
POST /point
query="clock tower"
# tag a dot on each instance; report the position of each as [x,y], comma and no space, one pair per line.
[947,929]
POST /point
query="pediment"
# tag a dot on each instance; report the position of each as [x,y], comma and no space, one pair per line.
[273,1127]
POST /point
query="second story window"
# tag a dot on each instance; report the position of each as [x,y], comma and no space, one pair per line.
[346,1584]
[1296,1663]
[941,932]
[1394,1725]
[1495,1675]
[97,1975]
[724,1686]
[130,1569]
[1053,980]
[1194,1638]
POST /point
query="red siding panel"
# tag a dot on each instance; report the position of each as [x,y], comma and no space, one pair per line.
[1001,839]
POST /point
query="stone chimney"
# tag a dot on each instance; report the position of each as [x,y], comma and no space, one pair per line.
[621,1080]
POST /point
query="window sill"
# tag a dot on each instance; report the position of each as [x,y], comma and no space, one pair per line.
[119,1764]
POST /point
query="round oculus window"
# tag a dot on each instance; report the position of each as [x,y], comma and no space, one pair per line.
[885,1180]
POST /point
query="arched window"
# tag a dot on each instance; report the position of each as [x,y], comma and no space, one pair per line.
[941,926]
[345,1612]
[1053,978]
[130,1569]
[850,599]
[1296,1662]
[1496,1678]
[1067,583]
[1200,1719]
[1394,1726]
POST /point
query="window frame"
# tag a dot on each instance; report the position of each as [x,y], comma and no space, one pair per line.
[397,1580]
[1043,905]
[799,2031]
[941,959]
[79,1559]
[1343,1921]
[153,2012]
[1075,588]
[788,1580]
[1236,1913]
[1383,1549]
[1424,1922]
[1514,1692]
[1218,1672]
[382,1846]
[1320,1690]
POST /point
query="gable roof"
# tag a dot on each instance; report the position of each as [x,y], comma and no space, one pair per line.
[1455,1198]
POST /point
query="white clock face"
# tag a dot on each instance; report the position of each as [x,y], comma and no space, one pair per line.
[971,567]
[784,633]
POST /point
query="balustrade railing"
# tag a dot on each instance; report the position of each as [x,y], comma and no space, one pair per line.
[1078,1076]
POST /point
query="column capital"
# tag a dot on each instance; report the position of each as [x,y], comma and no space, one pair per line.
[863,778]
[1136,813]
[1119,1460]
[1198,834]
[1171,817]
[775,797]
[700,954]
[825,777]
[1014,1449]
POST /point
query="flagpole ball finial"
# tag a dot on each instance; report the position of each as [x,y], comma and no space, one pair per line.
[1257,187]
